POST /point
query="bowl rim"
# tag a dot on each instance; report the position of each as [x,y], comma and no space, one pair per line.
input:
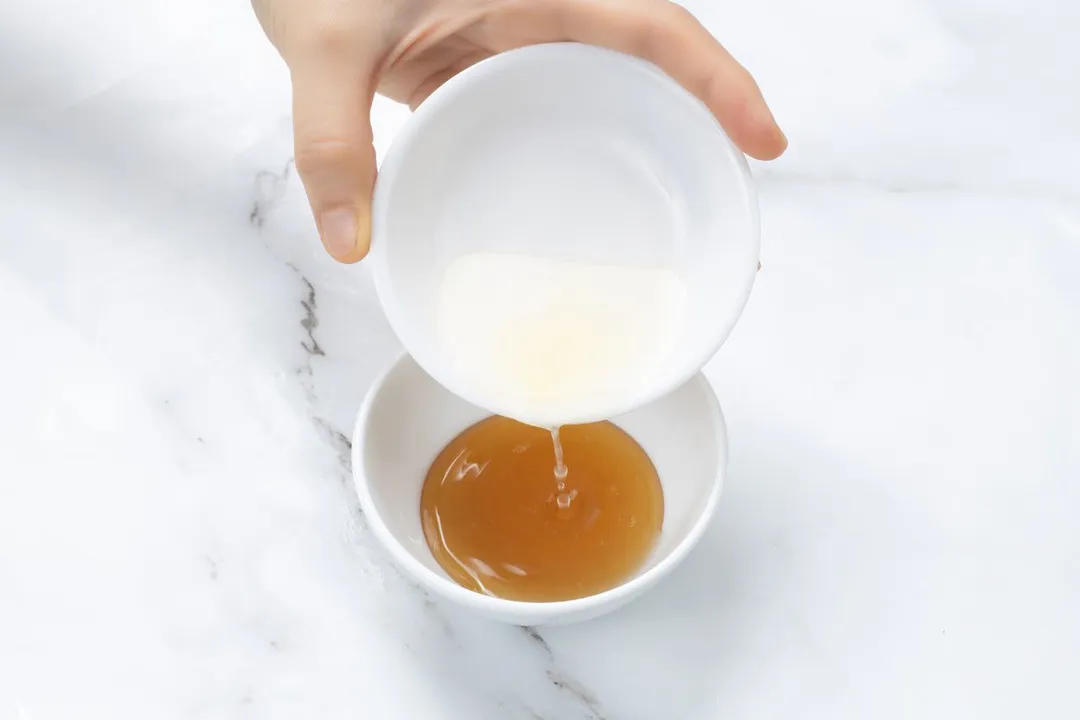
[494,606]
[389,170]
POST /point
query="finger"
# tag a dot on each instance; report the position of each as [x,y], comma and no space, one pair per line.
[670,37]
[334,153]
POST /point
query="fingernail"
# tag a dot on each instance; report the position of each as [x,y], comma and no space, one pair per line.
[339,231]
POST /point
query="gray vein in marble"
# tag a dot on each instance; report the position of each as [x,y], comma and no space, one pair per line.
[432,607]
[211,567]
[310,321]
[534,635]
[562,681]
[342,445]
[269,188]
[579,692]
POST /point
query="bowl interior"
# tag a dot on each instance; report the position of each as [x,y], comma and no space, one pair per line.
[409,418]
[574,153]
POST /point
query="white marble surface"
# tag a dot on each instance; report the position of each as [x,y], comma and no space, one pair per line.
[178,362]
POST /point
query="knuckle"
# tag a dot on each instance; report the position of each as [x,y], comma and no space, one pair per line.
[649,40]
[326,34]
[326,39]
[314,157]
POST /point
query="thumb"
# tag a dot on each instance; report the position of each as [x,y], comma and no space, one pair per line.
[334,154]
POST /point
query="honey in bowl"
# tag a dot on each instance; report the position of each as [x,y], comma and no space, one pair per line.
[502,520]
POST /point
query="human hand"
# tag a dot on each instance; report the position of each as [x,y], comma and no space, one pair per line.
[341,52]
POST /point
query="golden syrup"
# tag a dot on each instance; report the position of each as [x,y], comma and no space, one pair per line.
[506,517]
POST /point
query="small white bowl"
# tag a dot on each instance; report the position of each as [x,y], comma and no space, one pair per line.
[572,153]
[407,418]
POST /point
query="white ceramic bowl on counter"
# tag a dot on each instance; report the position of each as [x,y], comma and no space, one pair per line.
[407,418]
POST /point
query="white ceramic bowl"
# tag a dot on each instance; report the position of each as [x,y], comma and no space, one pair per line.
[572,153]
[407,418]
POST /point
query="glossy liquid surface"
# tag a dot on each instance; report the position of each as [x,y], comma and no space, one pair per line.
[498,522]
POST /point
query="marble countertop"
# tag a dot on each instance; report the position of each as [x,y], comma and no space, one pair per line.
[180,365]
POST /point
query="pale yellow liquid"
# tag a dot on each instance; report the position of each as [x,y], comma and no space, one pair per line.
[502,521]
[550,342]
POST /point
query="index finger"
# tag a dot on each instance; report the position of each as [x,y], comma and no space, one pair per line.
[671,38]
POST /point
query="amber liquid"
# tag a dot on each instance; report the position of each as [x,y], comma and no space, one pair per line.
[501,521]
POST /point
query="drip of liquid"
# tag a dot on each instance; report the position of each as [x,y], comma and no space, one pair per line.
[497,524]
[564,498]
[560,464]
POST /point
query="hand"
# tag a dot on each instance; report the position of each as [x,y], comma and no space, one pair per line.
[341,52]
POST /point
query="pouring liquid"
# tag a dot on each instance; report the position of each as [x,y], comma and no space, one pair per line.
[551,342]
[499,523]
